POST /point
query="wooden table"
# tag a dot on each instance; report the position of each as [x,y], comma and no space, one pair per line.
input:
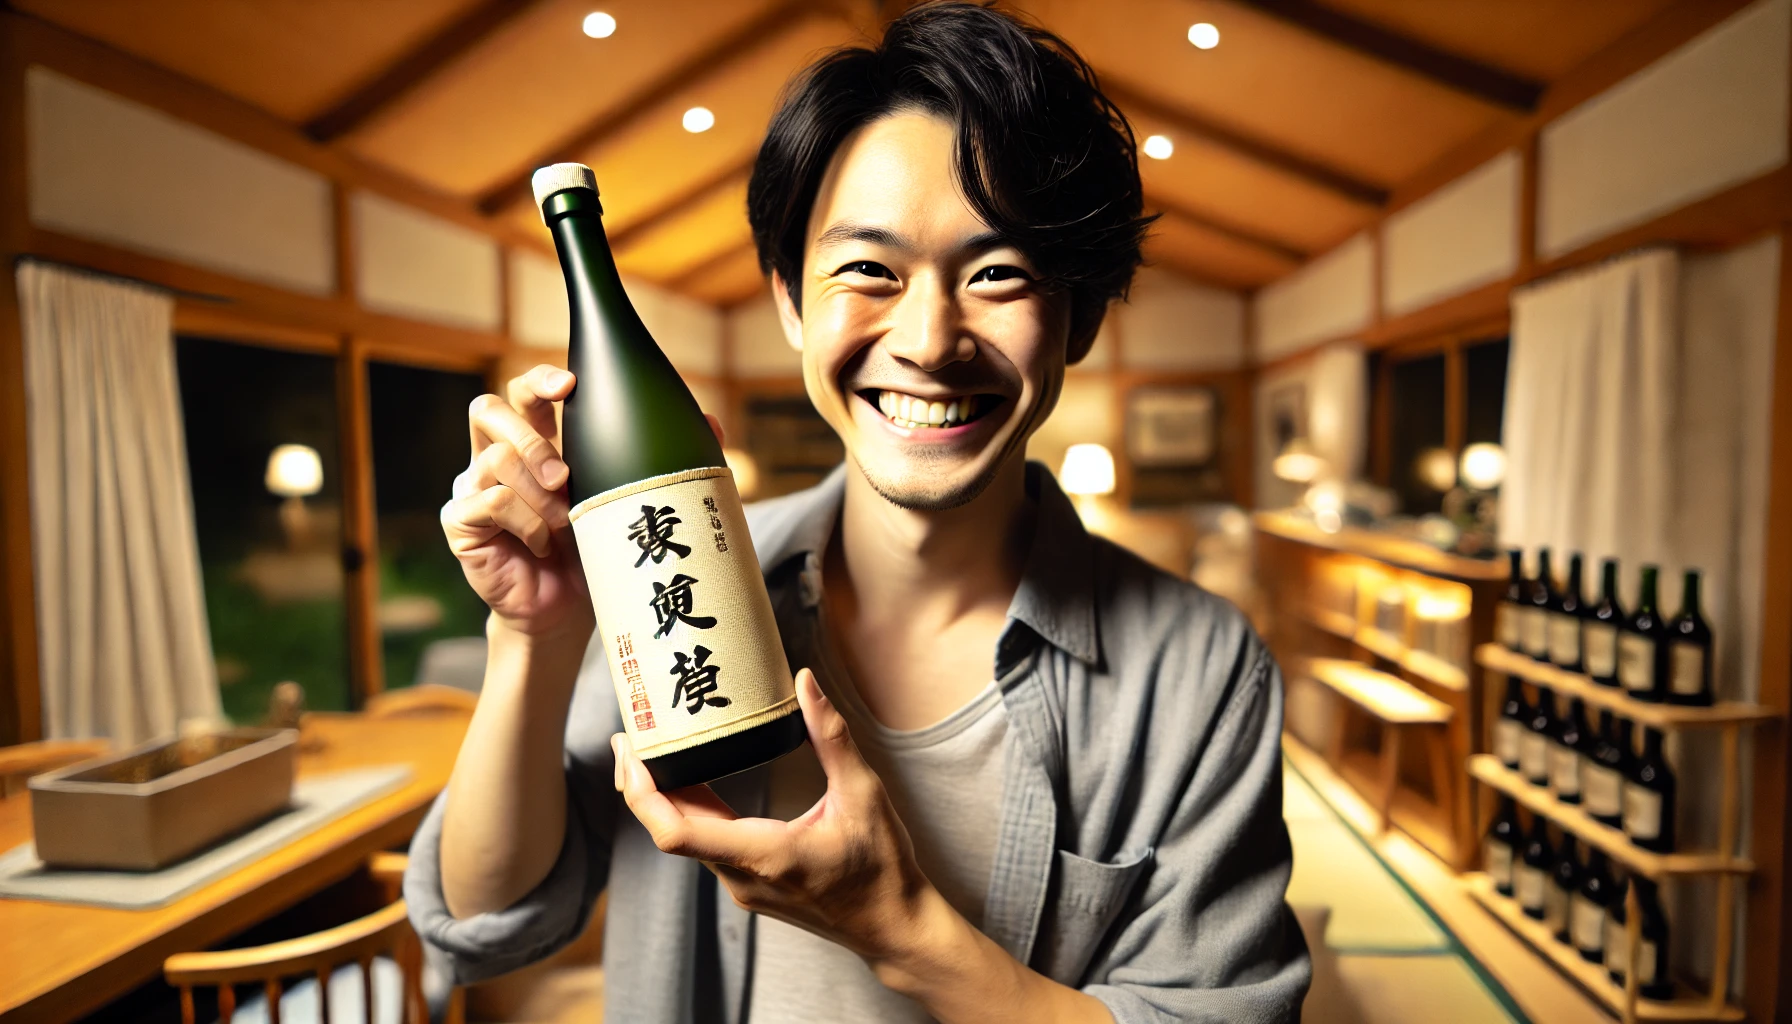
[59,961]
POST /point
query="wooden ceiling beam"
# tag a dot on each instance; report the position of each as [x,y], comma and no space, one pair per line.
[1281,250]
[1465,75]
[1269,154]
[746,39]
[672,206]
[679,281]
[405,74]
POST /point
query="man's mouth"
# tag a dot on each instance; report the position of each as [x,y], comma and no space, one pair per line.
[914,411]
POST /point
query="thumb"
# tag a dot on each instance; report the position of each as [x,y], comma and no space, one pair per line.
[828,733]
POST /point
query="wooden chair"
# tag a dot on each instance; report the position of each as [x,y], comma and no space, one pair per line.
[422,699]
[385,931]
[20,762]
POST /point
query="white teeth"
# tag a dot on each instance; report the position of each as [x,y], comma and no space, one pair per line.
[952,411]
[909,411]
[936,413]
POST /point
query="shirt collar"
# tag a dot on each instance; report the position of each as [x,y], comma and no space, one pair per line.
[1056,596]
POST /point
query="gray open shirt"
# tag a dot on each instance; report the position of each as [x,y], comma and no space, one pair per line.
[1142,855]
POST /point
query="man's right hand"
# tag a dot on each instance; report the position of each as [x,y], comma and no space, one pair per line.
[507,522]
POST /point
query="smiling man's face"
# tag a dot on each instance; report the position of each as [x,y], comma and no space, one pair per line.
[928,343]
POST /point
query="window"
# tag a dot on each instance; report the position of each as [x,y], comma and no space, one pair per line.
[419,426]
[271,562]
[1433,399]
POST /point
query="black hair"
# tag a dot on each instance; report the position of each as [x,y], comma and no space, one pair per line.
[1043,157]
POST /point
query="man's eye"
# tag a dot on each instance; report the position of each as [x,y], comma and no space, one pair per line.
[1001,272]
[867,268]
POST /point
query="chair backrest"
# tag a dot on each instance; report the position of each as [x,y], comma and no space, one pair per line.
[21,761]
[422,699]
[384,931]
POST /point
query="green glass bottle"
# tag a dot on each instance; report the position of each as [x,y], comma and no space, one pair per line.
[681,606]
[1689,640]
[1642,646]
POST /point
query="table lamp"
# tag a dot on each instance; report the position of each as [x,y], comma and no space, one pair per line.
[295,473]
[1086,474]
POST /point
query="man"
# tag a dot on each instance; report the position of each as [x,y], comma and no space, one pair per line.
[1044,779]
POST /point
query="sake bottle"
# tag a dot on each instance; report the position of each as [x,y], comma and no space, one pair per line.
[682,609]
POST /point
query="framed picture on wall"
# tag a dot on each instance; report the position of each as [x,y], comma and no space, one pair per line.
[1170,426]
[1287,414]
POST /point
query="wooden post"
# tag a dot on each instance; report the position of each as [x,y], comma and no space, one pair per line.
[1390,774]
[21,716]
[1633,937]
[360,541]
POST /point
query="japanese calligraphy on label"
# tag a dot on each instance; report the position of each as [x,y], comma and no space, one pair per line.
[693,649]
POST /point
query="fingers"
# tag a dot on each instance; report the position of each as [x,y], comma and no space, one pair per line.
[534,393]
[694,822]
[491,421]
[828,733]
[503,509]
[501,465]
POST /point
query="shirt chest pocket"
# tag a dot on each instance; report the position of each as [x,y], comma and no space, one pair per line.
[1087,897]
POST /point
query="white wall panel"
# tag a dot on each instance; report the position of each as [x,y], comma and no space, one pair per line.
[1709,115]
[1458,238]
[688,331]
[1172,324]
[107,169]
[759,346]
[538,314]
[414,264]
[1328,298]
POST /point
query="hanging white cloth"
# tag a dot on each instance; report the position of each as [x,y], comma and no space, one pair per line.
[124,648]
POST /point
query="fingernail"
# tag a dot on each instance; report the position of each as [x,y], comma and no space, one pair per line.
[559,379]
[553,472]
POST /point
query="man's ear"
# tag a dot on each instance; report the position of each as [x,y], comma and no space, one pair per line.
[788,317]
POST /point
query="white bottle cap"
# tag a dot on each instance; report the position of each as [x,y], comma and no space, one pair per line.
[558,178]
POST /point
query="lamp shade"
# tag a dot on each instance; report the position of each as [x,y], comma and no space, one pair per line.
[1087,469]
[295,471]
[1298,462]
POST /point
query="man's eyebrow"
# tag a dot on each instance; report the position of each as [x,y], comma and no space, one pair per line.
[847,231]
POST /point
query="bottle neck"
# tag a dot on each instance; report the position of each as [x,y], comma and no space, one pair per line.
[1574,576]
[1608,582]
[1646,599]
[1516,559]
[1689,594]
[1543,575]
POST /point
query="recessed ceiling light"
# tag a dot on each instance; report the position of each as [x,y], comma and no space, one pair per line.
[599,25]
[1205,36]
[1159,147]
[699,119]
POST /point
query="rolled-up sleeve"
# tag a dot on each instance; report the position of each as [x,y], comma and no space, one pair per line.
[555,911]
[1209,936]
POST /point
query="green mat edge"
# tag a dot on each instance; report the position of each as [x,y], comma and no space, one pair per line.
[1454,948]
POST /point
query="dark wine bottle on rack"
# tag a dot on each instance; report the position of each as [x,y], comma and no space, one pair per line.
[1603,781]
[1599,633]
[1564,621]
[1617,935]
[1649,797]
[1564,882]
[1500,850]
[1652,977]
[1535,741]
[1689,642]
[1642,644]
[682,610]
[1586,912]
[1571,743]
[1509,615]
[1541,596]
[1509,729]
[1531,881]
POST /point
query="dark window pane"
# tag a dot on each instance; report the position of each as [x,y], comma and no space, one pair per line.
[272,564]
[1484,365]
[419,422]
[1415,425]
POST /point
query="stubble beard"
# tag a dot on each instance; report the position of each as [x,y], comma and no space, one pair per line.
[921,490]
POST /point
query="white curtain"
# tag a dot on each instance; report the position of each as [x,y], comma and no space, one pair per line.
[124,647]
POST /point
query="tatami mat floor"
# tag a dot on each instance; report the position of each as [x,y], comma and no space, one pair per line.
[1380,957]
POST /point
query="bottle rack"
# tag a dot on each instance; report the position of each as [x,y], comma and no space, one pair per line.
[1724,863]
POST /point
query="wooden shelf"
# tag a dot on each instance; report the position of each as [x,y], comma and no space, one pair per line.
[1613,842]
[1574,684]
[1385,645]
[1394,549]
[1589,976]
[1386,697]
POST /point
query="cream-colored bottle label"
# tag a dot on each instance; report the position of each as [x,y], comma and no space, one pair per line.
[682,610]
[1533,757]
[1564,770]
[1617,947]
[1602,650]
[1506,619]
[1587,924]
[1636,662]
[1642,813]
[1604,797]
[1536,633]
[1564,639]
[1506,734]
[1645,963]
[1530,888]
[1688,674]
[1555,907]
[1499,863]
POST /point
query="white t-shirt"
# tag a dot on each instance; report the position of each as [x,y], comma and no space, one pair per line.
[945,781]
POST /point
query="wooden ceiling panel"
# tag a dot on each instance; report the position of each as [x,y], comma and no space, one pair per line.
[292,58]
[1542,39]
[1209,256]
[729,281]
[1272,81]
[705,230]
[1231,189]
[534,81]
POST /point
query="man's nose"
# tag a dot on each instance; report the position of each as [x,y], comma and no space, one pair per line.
[929,328]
